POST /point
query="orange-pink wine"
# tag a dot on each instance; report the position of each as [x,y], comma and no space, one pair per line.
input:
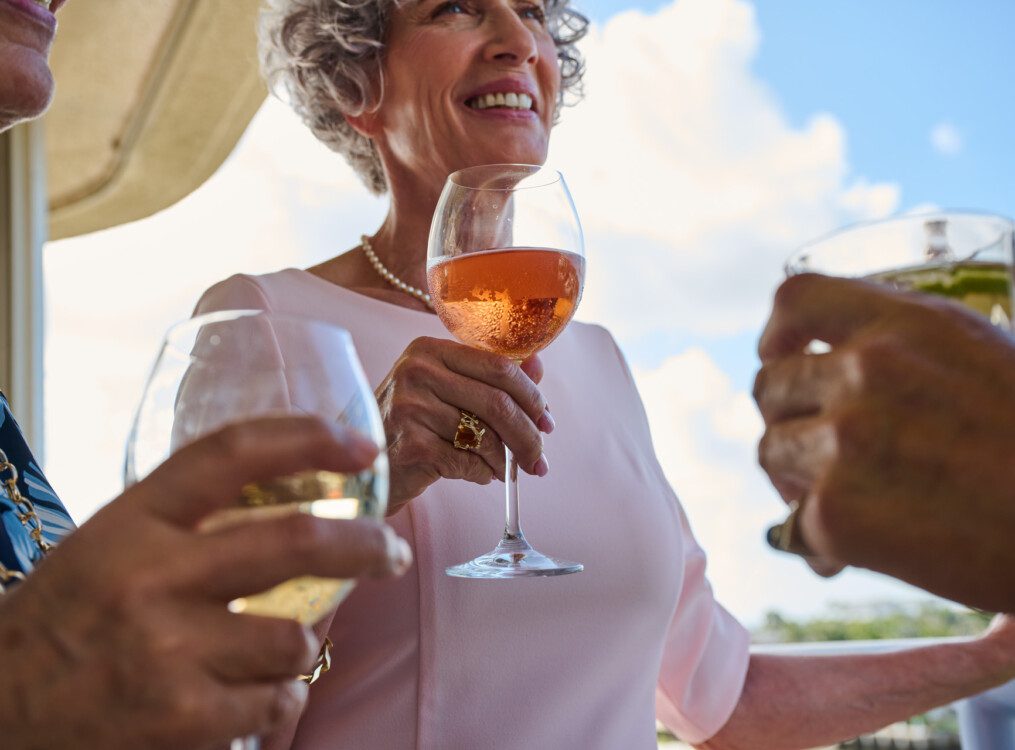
[511,302]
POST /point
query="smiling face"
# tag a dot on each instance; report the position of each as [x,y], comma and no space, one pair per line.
[27,28]
[465,82]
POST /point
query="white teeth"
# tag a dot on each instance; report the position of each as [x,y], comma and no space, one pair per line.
[509,100]
[44,3]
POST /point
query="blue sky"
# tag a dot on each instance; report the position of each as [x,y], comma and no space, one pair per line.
[717,135]
[891,72]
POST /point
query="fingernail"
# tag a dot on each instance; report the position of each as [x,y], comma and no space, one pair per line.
[774,537]
[399,555]
[542,467]
[546,422]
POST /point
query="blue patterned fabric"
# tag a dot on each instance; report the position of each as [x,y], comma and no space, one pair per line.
[17,550]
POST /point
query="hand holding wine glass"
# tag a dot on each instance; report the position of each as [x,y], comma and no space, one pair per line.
[506,270]
[228,367]
[889,445]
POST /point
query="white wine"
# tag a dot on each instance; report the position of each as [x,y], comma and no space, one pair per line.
[321,493]
[982,286]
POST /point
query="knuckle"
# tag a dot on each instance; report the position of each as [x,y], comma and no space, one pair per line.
[765,451]
[502,407]
[760,382]
[792,289]
[230,443]
[501,368]
[450,466]
[306,535]
[286,702]
[188,707]
[289,641]
[406,409]
[850,435]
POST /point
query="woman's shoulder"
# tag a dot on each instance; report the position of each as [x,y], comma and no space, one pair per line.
[267,291]
[593,337]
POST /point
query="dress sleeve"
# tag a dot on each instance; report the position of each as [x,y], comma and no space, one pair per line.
[705,655]
[238,292]
[706,651]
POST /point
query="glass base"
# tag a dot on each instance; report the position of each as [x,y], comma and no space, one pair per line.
[513,558]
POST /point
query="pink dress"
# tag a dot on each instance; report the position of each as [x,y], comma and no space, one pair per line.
[583,661]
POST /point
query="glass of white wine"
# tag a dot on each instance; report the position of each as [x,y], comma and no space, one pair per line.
[506,269]
[235,365]
[962,255]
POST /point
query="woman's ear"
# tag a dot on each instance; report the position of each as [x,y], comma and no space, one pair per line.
[365,123]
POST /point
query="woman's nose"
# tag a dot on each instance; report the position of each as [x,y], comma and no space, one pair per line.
[510,38]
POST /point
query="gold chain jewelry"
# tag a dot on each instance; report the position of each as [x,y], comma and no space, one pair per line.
[384,273]
[25,511]
[323,663]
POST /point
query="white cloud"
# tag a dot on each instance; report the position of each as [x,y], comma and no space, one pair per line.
[692,185]
[946,139]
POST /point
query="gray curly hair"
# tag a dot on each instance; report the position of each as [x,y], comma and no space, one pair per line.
[324,56]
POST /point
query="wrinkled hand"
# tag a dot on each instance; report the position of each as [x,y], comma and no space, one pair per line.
[421,400]
[121,637]
[899,443]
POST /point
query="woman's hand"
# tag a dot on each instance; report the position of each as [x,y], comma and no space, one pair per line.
[422,400]
[898,444]
[122,637]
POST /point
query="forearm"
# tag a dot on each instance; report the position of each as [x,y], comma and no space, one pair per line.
[802,702]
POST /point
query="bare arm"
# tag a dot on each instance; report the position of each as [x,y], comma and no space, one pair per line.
[796,702]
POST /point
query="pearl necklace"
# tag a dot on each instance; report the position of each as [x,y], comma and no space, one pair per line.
[384,273]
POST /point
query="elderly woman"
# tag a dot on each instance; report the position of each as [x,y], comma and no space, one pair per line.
[408,93]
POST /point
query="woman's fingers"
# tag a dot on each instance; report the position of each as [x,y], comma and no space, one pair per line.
[254,708]
[794,454]
[218,465]
[298,544]
[221,640]
[499,373]
[501,414]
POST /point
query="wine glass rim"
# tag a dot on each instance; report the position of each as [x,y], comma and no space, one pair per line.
[179,330]
[552,176]
[1001,221]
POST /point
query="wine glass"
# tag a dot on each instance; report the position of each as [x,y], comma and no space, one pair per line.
[235,365]
[963,255]
[506,267]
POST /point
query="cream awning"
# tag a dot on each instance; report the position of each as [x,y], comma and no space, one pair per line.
[152,96]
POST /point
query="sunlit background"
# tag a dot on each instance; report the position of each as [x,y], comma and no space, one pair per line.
[715,137]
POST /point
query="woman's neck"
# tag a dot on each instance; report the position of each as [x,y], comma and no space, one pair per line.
[400,243]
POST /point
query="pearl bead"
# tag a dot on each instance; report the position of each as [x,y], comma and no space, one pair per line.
[388,276]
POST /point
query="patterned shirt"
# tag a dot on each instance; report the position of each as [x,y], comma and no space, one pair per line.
[17,550]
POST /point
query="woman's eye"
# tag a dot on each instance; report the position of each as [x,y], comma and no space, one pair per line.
[534,12]
[449,8]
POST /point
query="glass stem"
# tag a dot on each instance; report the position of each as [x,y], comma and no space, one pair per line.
[512,525]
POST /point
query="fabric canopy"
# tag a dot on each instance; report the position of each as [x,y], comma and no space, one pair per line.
[152,96]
